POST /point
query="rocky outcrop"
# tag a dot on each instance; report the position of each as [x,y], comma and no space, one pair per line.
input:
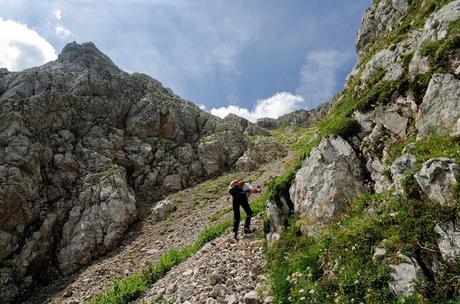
[327,181]
[449,239]
[404,276]
[82,144]
[440,104]
[437,177]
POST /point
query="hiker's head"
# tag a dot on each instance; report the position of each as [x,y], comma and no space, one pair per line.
[241,183]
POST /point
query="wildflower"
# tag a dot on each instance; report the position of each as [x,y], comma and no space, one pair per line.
[312,291]
[302,299]
[301,291]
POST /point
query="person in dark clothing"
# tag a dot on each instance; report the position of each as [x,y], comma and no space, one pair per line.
[240,192]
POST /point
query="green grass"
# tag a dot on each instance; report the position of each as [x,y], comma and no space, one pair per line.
[337,266]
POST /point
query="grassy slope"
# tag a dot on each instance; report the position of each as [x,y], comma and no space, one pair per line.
[338,266]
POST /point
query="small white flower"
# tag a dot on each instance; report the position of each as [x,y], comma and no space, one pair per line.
[312,291]
[301,291]
[302,299]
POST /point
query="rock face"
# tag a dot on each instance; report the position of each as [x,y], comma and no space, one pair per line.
[437,177]
[261,150]
[82,143]
[440,104]
[327,181]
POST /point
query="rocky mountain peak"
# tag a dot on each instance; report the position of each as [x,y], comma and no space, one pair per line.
[86,54]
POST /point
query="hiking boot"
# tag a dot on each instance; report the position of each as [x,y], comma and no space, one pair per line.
[248,230]
[235,236]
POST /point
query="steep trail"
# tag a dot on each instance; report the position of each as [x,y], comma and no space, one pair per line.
[147,240]
[223,271]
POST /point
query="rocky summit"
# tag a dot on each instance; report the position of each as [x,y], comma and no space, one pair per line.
[107,175]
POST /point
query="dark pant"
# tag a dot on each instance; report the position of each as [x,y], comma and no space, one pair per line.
[236,214]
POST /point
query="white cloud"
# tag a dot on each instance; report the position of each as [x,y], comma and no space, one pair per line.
[61,31]
[57,14]
[22,47]
[318,76]
[279,104]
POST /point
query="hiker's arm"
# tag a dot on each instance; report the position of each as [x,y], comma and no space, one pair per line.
[254,189]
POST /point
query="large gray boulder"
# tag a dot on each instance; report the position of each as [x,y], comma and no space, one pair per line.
[449,239]
[328,180]
[440,110]
[404,276]
[437,177]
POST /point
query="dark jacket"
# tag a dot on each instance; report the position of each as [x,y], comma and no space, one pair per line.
[239,196]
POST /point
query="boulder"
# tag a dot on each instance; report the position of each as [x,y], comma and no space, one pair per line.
[278,215]
[449,239]
[419,65]
[404,276]
[437,177]
[162,209]
[391,120]
[328,180]
[399,167]
[440,104]
[250,298]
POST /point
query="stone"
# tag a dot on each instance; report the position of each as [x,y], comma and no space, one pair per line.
[387,60]
[379,252]
[391,120]
[419,65]
[232,299]
[449,239]
[173,182]
[399,167]
[163,209]
[250,298]
[437,177]
[404,276]
[440,105]
[278,215]
[401,5]
[327,181]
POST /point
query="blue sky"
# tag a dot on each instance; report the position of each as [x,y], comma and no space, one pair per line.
[255,58]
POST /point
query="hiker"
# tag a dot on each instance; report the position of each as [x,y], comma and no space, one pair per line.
[240,193]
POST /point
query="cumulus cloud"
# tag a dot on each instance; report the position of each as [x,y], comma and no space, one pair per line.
[279,104]
[318,76]
[22,47]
